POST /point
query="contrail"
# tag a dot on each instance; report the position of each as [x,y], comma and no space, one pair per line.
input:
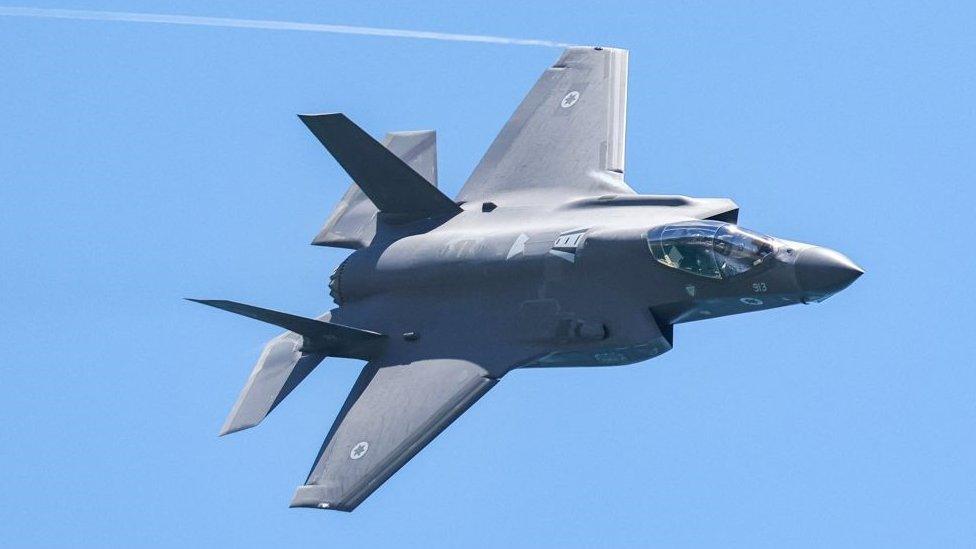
[269,25]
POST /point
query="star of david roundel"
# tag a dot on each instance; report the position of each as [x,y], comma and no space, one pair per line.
[570,99]
[359,450]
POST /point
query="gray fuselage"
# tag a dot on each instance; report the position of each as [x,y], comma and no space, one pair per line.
[577,283]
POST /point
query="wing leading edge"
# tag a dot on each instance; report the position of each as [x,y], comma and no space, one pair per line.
[566,139]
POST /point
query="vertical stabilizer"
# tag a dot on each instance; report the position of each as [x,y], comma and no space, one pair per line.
[352,223]
[395,188]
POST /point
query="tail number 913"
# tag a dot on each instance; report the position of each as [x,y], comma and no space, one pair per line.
[759,287]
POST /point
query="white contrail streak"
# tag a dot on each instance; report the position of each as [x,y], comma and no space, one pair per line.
[266,24]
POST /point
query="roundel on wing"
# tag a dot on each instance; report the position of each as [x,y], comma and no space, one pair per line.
[570,99]
[359,450]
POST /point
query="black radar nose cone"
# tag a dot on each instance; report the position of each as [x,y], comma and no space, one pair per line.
[823,272]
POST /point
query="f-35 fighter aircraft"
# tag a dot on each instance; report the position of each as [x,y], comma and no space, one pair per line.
[545,258]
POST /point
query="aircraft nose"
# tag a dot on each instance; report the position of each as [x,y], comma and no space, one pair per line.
[824,272]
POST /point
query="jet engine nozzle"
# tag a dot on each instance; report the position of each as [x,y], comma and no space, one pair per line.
[822,272]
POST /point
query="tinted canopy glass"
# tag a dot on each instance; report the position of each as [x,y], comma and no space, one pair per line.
[709,248]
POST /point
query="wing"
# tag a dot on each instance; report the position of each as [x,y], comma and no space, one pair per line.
[393,411]
[566,139]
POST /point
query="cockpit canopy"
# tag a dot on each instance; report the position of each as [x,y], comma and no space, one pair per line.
[709,248]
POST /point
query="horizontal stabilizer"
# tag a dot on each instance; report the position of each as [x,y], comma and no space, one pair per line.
[318,336]
[288,359]
[281,367]
[390,184]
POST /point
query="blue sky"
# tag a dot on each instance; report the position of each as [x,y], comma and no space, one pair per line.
[143,163]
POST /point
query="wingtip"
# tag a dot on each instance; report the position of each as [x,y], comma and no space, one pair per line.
[313,496]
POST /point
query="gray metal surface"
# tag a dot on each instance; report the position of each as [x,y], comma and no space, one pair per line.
[546,259]
[393,411]
[567,137]
[280,368]
[352,223]
[391,185]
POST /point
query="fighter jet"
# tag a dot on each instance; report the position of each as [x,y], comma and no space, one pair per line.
[546,258]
